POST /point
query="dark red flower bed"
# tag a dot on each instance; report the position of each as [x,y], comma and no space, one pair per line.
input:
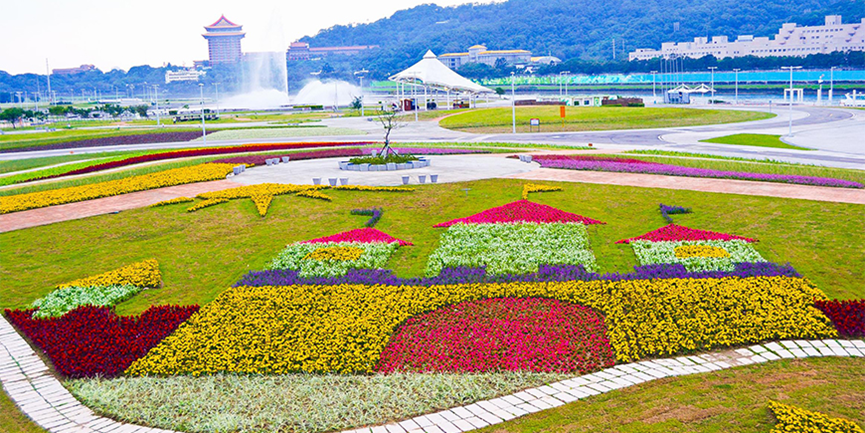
[317,154]
[514,334]
[847,316]
[174,154]
[94,341]
[160,137]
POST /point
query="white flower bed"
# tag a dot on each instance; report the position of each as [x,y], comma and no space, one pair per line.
[652,253]
[375,256]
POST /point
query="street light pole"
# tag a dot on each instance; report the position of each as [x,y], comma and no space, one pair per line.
[203,127]
[712,68]
[566,82]
[513,104]
[360,75]
[216,85]
[737,84]
[790,110]
[653,84]
[156,91]
[831,82]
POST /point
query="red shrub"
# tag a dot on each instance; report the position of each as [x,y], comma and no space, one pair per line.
[516,334]
[94,341]
[847,316]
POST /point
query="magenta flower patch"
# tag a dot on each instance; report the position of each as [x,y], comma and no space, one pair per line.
[522,211]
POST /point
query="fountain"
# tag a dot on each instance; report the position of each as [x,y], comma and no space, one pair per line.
[264,77]
[326,93]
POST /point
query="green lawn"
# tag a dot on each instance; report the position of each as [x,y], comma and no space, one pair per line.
[732,400]
[202,253]
[12,420]
[15,141]
[761,140]
[498,120]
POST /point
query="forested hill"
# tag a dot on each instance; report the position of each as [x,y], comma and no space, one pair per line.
[576,28]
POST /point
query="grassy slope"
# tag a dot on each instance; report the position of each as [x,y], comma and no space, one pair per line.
[725,401]
[760,140]
[203,253]
[12,420]
[498,120]
[14,141]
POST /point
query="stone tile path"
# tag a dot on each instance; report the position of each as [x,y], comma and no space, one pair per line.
[725,186]
[65,212]
[41,396]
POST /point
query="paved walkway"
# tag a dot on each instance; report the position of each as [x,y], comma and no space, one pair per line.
[65,212]
[725,186]
[42,397]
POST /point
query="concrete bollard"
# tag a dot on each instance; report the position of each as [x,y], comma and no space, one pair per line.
[434,178]
[332,181]
[316,181]
[421,178]
[343,181]
[286,158]
[405,180]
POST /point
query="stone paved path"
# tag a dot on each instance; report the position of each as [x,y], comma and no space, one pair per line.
[84,209]
[41,396]
[725,186]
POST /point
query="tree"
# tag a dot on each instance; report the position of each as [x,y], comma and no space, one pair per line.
[12,115]
[356,103]
[141,110]
[499,91]
[389,121]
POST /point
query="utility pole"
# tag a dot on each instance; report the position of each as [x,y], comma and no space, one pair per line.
[790,110]
[736,70]
[156,92]
[712,68]
[216,85]
[831,82]
[203,127]
[513,104]
[48,74]
[653,83]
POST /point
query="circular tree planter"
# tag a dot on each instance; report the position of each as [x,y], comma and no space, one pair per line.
[419,163]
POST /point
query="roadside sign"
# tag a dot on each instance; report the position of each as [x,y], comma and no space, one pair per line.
[535,122]
[562,111]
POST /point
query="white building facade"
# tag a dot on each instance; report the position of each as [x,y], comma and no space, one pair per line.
[480,54]
[183,75]
[791,40]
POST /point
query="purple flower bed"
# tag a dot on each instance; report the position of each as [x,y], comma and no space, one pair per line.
[374,214]
[161,137]
[428,151]
[675,170]
[666,211]
[478,275]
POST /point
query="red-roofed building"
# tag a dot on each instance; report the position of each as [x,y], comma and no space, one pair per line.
[223,41]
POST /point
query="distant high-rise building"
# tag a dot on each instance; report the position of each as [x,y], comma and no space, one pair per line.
[223,41]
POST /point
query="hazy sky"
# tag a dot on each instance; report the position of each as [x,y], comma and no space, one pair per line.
[123,33]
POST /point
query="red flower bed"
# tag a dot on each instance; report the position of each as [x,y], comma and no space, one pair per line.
[847,316]
[522,211]
[364,235]
[318,154]
[672,232]
[514,334]
[199,152]
[94,341]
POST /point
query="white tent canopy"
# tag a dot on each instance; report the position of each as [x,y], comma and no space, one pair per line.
[433,73]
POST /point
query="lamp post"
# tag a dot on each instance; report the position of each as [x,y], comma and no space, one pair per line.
[712,68]
[156,92]
[831,82]
[216,85]
[566,82]
[653,83]
[203,127]
[513,104]
[736,70]
[360,74]
[790,110]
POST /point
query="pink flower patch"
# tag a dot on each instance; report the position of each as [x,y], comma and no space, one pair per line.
[522,211]
[672,232]
[514,334]
[366,235]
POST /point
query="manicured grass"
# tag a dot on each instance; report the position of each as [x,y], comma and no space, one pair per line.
[258,133]
[432,114]
[15,141]
[761,140]
[732,400]
[498,120]
[295,403]
[12,420]
[203,253]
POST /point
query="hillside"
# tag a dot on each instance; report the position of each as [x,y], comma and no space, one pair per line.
[573,28]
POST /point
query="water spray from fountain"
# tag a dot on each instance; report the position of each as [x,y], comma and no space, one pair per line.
[327,93]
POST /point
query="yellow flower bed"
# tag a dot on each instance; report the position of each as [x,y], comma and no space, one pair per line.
[374,188]
[177,176]
[262,203]
[794,419]
[533,187]
[311,193]
[250,191]
[173,201]
[344,328]
[335,253]
[206,203]
[141,274]
[687,251]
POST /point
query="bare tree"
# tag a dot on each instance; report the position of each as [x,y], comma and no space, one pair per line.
[389,121]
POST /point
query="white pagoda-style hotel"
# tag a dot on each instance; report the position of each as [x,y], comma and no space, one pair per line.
[791,40]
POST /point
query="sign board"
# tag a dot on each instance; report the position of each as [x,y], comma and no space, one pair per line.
[562,111]
[535,122]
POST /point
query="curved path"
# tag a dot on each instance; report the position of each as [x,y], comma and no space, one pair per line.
[42,397]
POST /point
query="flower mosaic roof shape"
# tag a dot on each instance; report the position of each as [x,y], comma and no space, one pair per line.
[366,235]
[522,211]
[673,232]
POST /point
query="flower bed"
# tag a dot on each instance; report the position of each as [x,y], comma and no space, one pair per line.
[157,137]
[511,247]
[178,176]
[142,274]
[666,211]
[509,334]
[624,166]
[734,251]
[794,419]
[847,316]
[532,187]
[364,235]
[373,213]
[173,201]
[521,211]
[303,257]
[429,151]
[62,301]
[299,156]
[672,232]
[93,341]
[206,203]
[546,273]
[344,328]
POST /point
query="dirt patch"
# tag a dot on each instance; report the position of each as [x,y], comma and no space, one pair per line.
[685,414]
